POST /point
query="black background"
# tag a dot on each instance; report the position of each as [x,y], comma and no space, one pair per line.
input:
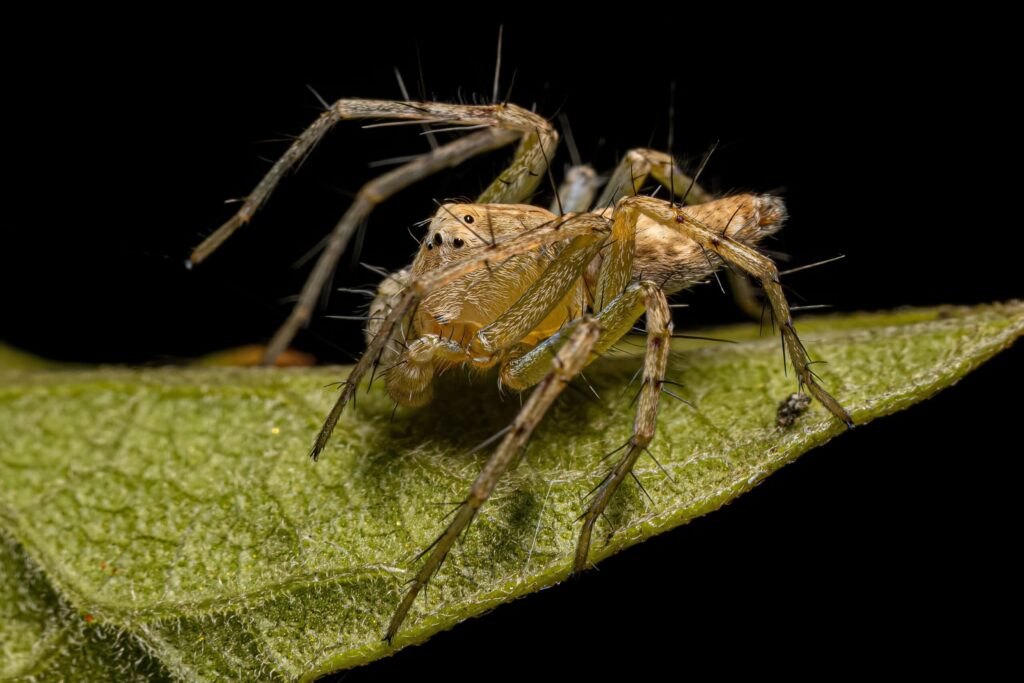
[888,141]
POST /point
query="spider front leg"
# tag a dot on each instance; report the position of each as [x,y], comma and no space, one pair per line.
[569,360]
[368,197]
[508,122]
[504,123]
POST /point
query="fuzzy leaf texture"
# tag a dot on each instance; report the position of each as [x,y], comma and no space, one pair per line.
[167,524]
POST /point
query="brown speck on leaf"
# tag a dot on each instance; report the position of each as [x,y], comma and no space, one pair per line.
[793,407]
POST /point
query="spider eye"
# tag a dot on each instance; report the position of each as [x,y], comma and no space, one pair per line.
[458,242]
[438,239]
[468,218]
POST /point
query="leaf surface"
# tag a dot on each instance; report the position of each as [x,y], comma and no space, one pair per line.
[165,523]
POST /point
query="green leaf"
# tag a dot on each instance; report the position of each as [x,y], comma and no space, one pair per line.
[167,523]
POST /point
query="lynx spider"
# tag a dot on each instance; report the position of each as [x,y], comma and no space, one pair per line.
[498,282]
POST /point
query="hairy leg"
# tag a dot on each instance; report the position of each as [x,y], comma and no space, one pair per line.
[625,302]
[623,309]
[516,183]
[626,181]
[389,291]
[529,310]
[632,172]
[749,260]
[616,320]
[566,364]
[373,193]
[659,338]
[503,123]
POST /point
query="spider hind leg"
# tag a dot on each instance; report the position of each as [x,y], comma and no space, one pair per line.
[733,245]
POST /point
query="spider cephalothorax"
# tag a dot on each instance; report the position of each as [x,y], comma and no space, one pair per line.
[536,292]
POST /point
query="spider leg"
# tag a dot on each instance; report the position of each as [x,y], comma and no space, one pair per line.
[371,194]
[659,338]
[629,300]
[540,299]
[389,291]
[626,301]
[505,124]
[409,383]
[516,183]
[616,320]
[559,229]
[630,175]
[751,261]
[566,364]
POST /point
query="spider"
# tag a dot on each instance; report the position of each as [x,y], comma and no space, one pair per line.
[539,293]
